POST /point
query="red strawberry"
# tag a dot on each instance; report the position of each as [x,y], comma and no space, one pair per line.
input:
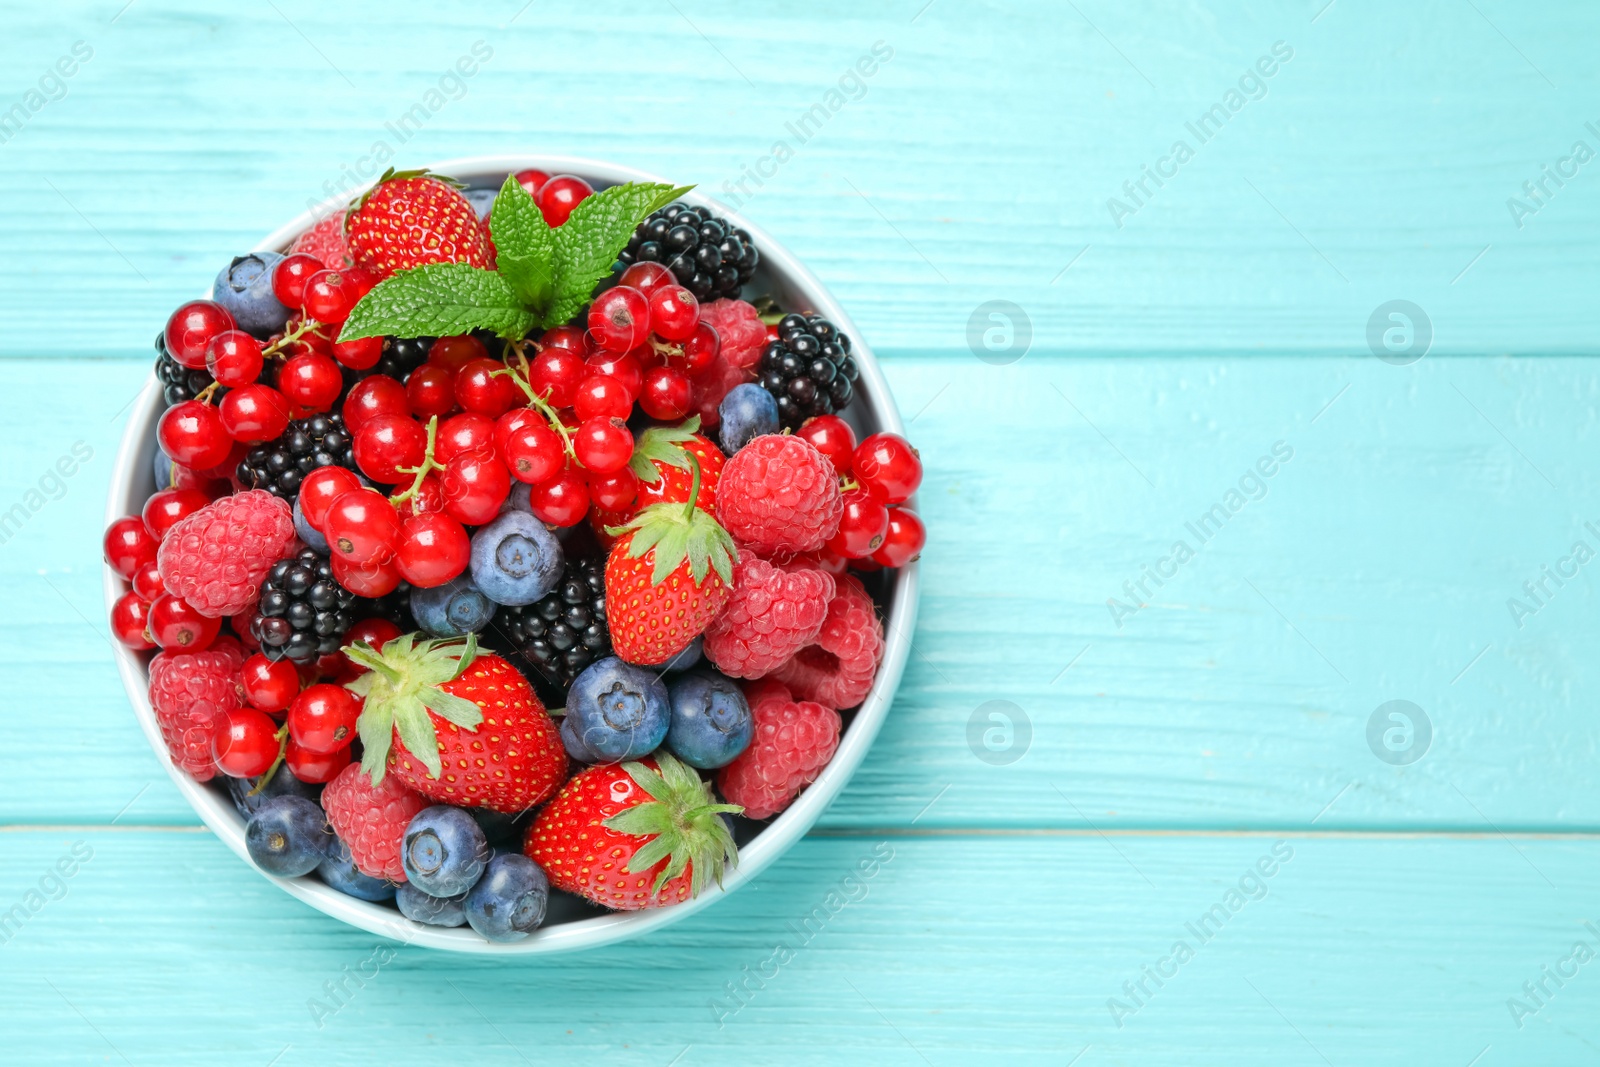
[668,575]
[633,835]
[411,219]
[456,726]
[661,463]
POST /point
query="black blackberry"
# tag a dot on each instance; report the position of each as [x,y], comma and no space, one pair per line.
[565,631]
[280,465]
[303,612]
[708,256]
[402,355]
[808,369]
[179,383]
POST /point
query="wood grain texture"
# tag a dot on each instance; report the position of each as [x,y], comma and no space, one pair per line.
[912,965]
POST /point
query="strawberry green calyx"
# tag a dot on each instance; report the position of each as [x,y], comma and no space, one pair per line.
[392,175]
[679,530]
[663,444]
[684,825]
[401,686]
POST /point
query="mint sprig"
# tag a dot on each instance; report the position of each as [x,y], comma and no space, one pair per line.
[543,276]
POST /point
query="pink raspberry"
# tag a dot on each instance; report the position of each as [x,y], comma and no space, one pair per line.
[215,559]
[791,744]
[739,327]
[372,819]
[838,669]
[774,612]
[191,693]
[325,240]
[779,495]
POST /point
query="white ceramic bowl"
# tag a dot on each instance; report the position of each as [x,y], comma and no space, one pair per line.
[872,410]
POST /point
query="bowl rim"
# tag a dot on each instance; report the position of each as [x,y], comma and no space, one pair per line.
[219,814]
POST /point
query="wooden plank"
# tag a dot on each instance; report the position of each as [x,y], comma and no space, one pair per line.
[167,949]
[978,164]
[1377,566]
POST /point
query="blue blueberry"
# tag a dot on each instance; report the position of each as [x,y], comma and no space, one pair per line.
[444,851]
[515,560]
[509,900]
[245,288]
[748,412]
[311,537]
[519,500]
[419,907]
[711,721]
[481,200]
[162,468]
[615,712]
[683,660]
[283,784]
[288,836]
[454,609]
[339,871]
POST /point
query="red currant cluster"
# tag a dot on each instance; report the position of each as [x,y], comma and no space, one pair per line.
[877,476]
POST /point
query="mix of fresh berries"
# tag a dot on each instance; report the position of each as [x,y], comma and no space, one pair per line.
[542,420]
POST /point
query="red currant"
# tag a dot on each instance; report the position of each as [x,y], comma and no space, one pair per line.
[246,745]
[427,500]
[315,767]
[432,550]
[701,349]
[378,577]
[431,390]
[269,686]
[466,432]
[387,444]
[312,380]
[376,395]
[289,278]
[531,449]
[904,540]
[321,488]
[665,395]
[602,397]
[166,508]
[559,195]
[833,437]
[174,624]
[375,632]
[193,435]
[234,358]
[620,318]
[147,582]
[531,180]
[480,388]
[614,491]
[861,526]
[255,413]
[191,328]
[130,620]
[475,485]
[360,281]
[561,501]
[359,355]
[329,296]
[323,718]
[453,353]
[647,277]
[555,374]
[569,338]
[361,526]
[129,544]
[888,467]
[603,445]
[674,313]
[624,368]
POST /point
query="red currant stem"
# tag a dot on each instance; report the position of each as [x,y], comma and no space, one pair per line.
[283,750]
[542,405]
[846,484]
[694,486]
[306,326]
[664,349]
[422,469]
[204,395]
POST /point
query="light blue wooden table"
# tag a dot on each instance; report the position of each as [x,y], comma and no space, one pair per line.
[1189,764]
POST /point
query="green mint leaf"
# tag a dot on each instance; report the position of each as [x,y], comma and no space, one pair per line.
[524,245]
[439,300]
[586,245]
